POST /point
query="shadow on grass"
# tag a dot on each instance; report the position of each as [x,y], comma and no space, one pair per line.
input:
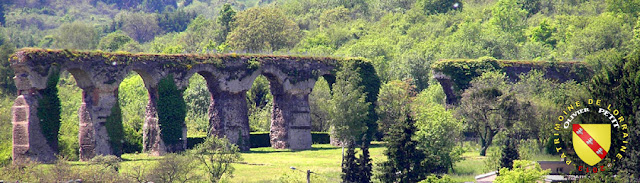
[267,150]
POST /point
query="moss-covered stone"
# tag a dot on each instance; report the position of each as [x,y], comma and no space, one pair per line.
[455,75]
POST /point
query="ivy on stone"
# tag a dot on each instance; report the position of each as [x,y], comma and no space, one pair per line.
[49,110]
[171,111]
[115,130]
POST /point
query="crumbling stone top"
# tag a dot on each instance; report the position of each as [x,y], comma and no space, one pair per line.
[461,71]
[455,75]
[48,56]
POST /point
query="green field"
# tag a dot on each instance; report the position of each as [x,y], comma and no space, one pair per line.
[274,165]
[266,164]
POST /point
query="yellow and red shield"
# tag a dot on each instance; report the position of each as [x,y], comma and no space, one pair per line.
[591,141]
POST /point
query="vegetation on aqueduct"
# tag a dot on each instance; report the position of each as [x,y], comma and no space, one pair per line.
[404,40]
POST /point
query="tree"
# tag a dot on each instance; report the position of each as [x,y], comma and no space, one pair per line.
[175,21]
[393,103]
[217,154]
[77,35]
[439,6]
[318,106]
[334,16]
[487,110]
[509,153]
[621,6]
[225,19]
[618,85]
[403,158]
[436,132]
[132,97]
[113,41]
[158,5]
[603,32]
[522,172]
[364,162]
[263,29]
[3,6]
[347,108]
[198,99]
[260,103]
[139,26]
[6,72]
[508,16]
[350,169]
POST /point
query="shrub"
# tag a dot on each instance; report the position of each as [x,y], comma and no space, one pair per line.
[171,111]
[320,137]
[260,139]
[174,168]
[217,154]
[115,129]
[49,108]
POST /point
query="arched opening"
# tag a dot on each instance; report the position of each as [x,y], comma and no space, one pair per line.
[290,114]
[198,99]
[133,98]
[260,104]
[318,99]
[70,97]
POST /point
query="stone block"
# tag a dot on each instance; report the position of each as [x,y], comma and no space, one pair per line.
[20,114]
[20,134]
[300,139]
[20,149]
[301,119]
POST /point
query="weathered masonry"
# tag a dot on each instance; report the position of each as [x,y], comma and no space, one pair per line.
[228,77]
[455,75]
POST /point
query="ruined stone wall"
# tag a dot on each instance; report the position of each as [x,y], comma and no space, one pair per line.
[455,75]
[228,78]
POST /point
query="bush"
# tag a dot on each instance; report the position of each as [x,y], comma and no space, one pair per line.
[171,111]
[217,156]
[49,108]
[320,137]
[193,141]
[174,168]
[260,139]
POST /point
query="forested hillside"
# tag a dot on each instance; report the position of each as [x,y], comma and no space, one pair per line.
[402,38]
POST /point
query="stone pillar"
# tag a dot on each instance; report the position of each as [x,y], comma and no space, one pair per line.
[94,110]
[151,139]
[228,117]
[290,120]
[448,87]
[28,140]
[152,133]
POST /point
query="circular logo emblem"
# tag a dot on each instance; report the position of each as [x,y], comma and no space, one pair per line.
[592,134]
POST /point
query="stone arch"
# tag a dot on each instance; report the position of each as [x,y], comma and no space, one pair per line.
[228,77]
[98,131]
[290,118]
[147,81]
[330,78]
[83,80]
[29,141]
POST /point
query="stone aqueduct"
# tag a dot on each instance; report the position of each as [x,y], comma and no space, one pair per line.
[228,78]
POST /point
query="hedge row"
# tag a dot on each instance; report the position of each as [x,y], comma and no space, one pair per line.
[261,139]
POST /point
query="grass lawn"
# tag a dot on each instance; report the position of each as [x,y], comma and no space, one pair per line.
[274,165]
[266,164]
